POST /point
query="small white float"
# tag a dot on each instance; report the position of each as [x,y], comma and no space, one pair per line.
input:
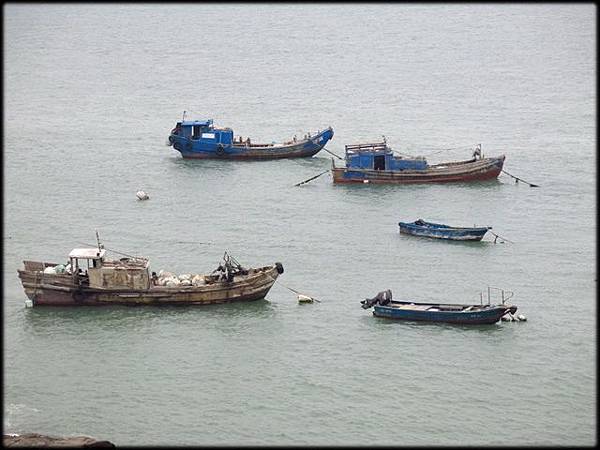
[305,299]
[141,195]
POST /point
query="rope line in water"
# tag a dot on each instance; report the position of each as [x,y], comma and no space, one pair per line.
[310,179]
[331,153]
[497,236]
[293,290]
[519,179]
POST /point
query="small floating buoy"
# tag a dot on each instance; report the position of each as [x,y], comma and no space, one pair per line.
[305,299]
[522,318]
[365,181]
[141,195]
[28,303]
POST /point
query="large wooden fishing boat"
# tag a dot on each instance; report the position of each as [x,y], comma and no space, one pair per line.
[91,279]
[466,314]
[199,139]
[376,163]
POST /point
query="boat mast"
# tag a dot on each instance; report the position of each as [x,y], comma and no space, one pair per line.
[100,246]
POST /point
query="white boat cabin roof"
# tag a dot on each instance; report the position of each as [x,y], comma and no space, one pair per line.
[87,253]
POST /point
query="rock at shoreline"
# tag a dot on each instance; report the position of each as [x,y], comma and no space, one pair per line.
[40,440]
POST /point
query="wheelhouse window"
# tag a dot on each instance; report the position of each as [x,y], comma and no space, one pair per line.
[197,131]
[379,162]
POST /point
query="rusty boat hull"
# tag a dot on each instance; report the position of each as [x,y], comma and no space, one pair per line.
[460,171]
[61,290]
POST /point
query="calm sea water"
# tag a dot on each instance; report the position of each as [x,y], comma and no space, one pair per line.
[90,94]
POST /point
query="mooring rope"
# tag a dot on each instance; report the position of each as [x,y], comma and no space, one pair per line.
[517,179]
[497,236]
[331,153]
[312,178]
[293,290]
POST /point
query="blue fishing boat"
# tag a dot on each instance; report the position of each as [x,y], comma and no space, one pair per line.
[377,163]
[467,314]
[440,231]
[199,139]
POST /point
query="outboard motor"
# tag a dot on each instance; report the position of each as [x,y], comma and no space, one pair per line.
[279,267]
[383,298]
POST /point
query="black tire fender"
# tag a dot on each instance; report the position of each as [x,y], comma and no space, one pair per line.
[220,150]
[279,267]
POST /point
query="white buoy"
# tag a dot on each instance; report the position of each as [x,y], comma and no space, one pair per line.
[522,318]
[304,299]
[141,195]
[28,303]
[365,181]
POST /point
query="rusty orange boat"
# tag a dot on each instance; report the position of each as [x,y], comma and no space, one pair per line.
[376,163]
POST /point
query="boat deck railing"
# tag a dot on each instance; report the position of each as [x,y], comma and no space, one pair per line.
[371,147]
[504,294]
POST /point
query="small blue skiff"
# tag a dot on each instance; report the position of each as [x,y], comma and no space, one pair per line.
[440,231]
[469,314]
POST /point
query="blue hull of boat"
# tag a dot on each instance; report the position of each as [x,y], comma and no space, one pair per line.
[439,231]
[486,316]
[199,149]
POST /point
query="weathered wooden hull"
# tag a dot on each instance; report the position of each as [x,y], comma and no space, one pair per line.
[300,149]
[478,317]
[59,290]
[452,234]
[466,171]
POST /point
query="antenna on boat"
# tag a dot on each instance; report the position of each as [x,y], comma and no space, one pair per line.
[100,246]
[183,118]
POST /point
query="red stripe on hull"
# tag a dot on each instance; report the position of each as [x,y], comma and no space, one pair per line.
[372,177]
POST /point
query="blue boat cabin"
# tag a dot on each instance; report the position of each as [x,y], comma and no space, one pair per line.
[204,133]
[380,157]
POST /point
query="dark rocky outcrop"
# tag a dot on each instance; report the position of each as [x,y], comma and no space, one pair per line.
[41,440]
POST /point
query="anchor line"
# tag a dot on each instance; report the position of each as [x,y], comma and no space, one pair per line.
[331,153]
[497,236]
[312,178]
[519,179]
[293,290]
